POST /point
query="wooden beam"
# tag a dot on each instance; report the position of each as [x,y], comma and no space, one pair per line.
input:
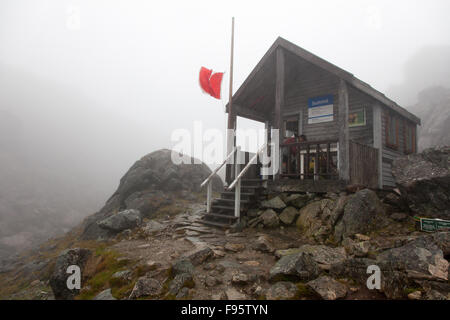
[279,97]
[378,139]
[248,113]
[344,161]
[231,126]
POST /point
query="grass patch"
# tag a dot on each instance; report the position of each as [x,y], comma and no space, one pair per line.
[407,291]
[304,291]
[102,275]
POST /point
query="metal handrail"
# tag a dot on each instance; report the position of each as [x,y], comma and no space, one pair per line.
[239,176]
[219,167]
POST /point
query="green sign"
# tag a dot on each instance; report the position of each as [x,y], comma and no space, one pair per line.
[431,225]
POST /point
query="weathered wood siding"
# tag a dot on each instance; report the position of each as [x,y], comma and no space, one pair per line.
[305,80]
[360,100]
[363,165]
[389,153]
[311,81]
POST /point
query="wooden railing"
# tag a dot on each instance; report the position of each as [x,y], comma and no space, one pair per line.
[310,160]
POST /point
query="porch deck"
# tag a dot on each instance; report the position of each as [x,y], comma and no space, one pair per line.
[307,185]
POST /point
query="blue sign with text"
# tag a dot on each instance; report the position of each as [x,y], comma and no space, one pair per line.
[320,109]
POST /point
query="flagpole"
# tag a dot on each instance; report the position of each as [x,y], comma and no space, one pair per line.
[231,136]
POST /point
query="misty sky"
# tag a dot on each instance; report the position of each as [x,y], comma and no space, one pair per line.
[106,82]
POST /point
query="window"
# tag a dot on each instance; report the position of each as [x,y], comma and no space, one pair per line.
[291,126]
[391,131]
[357,118]
[410,137]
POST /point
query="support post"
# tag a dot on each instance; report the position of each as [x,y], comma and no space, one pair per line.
[231,128]
[266,142]
[209,196]
[377,140]
[344,154]
[237,188]
[279,100]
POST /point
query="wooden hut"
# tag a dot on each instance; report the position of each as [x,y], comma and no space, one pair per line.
[335,129]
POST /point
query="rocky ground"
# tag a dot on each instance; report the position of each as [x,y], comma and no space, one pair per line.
[148,245]
[176,257]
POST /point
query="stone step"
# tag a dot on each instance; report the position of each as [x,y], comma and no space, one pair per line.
[220,216]
[216,224]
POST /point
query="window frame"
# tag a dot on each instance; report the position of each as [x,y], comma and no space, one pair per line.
[412,128]
[389,119]
[363,109]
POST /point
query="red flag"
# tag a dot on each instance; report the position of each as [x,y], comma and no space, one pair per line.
[210,84]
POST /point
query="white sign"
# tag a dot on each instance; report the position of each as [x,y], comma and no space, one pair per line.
[320,109]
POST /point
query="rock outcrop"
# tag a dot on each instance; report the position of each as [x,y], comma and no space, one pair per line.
[58,280]
[316,220]
[298,266]
[282,290]
[105,295]
[146,287]
[153,181]
[420,263]
[363,213]
[127,219]
[424,181]
[328,288]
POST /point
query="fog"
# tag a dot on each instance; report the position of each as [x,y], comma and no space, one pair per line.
[88,87]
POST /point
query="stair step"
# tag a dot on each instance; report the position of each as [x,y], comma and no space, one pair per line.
[246,189]
[252,180]
[231,200]
[215,206]
[215,224]
[219,216]
[232,193]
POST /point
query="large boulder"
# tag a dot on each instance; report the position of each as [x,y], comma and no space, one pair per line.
[127,219]
[59,277]
[146,287]
[363,213]
[421,259]
[157,171]
[288,215]
[317,219]
[199,255]
[408,266]
[282,290]
[105,295]
[324,256]
[424,181]
[298,266]
[152,182]
[182,265]
[275,203]
[270,219]
[328,288]
[179,282]
[418,263]
[297,200]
